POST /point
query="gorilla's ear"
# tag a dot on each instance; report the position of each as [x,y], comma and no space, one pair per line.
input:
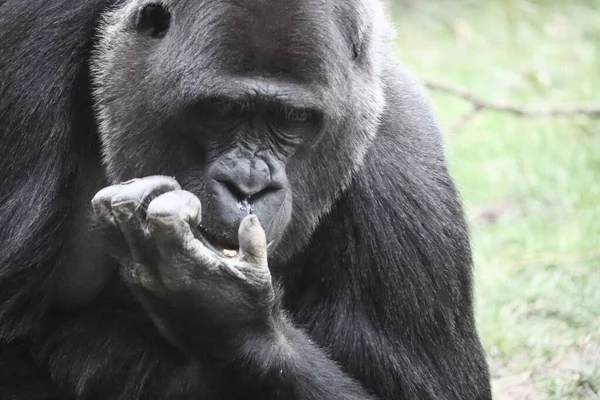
[356,46]
[357,25]
[153,20]
[362,24]
[355,35]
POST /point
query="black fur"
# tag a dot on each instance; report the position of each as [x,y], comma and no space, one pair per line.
[374,265]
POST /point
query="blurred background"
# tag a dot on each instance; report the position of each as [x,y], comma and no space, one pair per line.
[531,185]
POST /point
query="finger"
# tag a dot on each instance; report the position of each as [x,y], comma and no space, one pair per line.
[101,204]
[128,207]
[127,213]
[253,241]
[144,190]
[177,206]
[170,217]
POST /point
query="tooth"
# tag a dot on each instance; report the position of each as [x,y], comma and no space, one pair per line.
[229,253]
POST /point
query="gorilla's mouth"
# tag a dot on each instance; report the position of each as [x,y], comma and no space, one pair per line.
[216,243]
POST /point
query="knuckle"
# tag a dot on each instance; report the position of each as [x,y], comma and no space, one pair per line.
[105,195]
[122,204]
[177,204]
[164,206]
[158,182]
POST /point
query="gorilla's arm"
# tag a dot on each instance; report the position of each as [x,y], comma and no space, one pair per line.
[119,356]
[288,365]
[222,312]
[113,351]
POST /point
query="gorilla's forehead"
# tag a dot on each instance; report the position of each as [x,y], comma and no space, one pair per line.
[299,38]
[295,50]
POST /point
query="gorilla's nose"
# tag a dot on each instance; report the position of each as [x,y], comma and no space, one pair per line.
[248,180]
[250,190]
[242,183]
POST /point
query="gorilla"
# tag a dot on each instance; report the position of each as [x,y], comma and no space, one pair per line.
[225,199]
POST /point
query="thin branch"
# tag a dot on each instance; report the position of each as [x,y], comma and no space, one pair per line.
[465,118]
[480,104]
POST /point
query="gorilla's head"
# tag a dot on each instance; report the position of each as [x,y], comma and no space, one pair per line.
[255,106]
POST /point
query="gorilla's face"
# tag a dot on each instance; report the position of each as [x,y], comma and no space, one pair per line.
[262,107]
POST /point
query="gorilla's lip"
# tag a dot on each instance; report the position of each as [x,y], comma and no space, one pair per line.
[215,242]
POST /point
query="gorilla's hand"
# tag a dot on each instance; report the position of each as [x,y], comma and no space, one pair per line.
[185,284]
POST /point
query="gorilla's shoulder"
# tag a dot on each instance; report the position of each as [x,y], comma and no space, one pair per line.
[409,139]
[408,105]
[404,184]
[404,170]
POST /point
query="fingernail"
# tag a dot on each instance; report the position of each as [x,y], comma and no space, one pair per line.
[229,253]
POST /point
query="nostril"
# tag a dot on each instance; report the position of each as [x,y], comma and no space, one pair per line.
[235,190]
[265,192]
[251,195]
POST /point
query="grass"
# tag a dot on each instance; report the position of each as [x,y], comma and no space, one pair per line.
[538,261]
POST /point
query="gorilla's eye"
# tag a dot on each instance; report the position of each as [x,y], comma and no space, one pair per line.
[297,116]
[226,108]
[153,20]
[219,113]
[290,120]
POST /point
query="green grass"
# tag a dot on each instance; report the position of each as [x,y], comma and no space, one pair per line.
[538,265]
